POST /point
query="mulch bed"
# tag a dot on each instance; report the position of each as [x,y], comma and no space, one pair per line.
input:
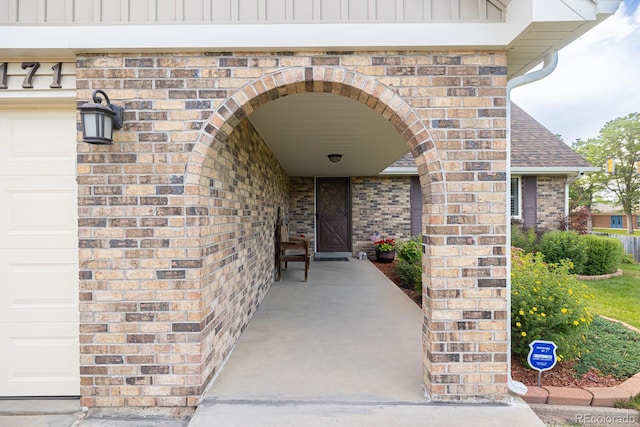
[562,375]
[389,270]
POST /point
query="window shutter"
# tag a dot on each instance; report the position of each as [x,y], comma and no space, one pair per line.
[530,201]
[416,206]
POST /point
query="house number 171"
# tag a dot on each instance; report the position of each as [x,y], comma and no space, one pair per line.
[30,68]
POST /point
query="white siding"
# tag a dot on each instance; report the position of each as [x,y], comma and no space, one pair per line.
[84,12]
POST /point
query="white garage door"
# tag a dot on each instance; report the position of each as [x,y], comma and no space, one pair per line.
[38,253]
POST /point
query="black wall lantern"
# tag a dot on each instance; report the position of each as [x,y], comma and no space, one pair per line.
[99,121]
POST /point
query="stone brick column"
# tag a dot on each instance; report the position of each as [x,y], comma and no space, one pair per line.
[464,272]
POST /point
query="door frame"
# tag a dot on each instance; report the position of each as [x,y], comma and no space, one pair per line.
[349,211]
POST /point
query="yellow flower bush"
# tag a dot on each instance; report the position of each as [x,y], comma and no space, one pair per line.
[547,303]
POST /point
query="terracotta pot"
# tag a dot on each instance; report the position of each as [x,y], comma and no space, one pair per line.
[385,256]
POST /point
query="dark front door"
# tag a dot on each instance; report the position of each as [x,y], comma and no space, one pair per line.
[334,214]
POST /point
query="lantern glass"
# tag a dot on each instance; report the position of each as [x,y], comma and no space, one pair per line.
[89,125]
[107,123]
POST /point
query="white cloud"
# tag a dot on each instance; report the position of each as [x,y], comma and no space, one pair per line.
[614,29]
[597,80]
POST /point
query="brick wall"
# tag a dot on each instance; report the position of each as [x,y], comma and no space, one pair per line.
[187,300]
[380,204]
[302,207]
[238,239]
[161,258]
[551,197]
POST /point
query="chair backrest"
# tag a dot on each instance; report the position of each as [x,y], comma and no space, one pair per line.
[284,233]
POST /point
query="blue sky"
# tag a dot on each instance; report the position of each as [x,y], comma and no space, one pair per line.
[597,79]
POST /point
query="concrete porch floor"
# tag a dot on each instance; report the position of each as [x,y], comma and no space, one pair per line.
[343,349]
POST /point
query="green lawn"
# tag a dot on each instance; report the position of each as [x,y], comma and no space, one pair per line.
[616,231]
[618,297]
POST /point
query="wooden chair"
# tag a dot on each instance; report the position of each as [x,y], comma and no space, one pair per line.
[292,249]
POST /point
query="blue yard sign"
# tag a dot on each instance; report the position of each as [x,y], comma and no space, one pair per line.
[542,356]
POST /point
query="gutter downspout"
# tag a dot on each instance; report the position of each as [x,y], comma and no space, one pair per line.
[550,63]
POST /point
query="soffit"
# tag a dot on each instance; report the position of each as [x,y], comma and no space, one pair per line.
[302,129]
[539,39]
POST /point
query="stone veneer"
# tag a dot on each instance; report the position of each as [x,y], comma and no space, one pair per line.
[176,223]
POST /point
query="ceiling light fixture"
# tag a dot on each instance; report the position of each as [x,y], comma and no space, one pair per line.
[334,158]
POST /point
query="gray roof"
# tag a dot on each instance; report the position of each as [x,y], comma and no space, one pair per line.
[533,147]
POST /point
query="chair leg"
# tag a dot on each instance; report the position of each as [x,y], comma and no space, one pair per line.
[306,268]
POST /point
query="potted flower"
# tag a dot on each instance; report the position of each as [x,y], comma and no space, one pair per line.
[385,250]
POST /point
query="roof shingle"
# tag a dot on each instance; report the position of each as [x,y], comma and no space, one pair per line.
[533,145]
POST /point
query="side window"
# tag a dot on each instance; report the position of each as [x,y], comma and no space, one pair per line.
[515,197]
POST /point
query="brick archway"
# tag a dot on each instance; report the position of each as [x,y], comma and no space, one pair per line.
[339,81]
[333,80]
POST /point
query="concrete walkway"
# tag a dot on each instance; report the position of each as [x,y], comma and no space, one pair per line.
[343,349]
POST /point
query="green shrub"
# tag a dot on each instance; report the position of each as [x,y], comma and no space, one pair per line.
[604,255]
[525,239]
[409,264]
[410,275]
[561,245]
[547,303]
[610,348]
[410,250]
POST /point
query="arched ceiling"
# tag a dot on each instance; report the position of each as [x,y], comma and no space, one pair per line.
[302,129]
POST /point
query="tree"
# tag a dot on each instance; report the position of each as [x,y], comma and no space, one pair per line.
[584,190]
[619,139]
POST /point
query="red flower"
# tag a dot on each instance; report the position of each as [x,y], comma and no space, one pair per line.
[384,245]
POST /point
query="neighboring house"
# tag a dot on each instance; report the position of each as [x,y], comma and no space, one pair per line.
[149,256]
[610,216]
